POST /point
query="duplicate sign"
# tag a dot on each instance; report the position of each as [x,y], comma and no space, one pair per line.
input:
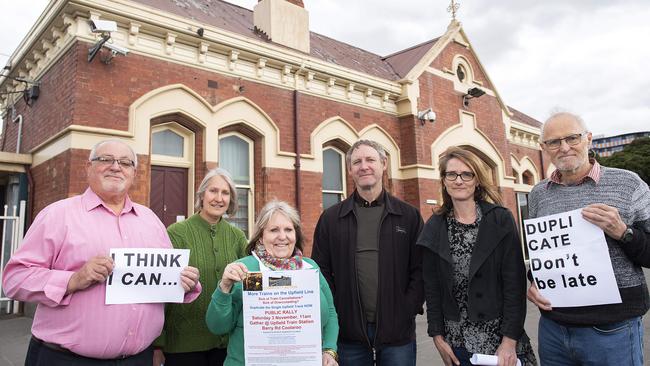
[146,275]
[570,260]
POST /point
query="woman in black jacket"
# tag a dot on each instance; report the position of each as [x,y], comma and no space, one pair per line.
[473,269]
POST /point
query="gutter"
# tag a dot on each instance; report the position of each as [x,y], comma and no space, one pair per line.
[18,119]
[296,142]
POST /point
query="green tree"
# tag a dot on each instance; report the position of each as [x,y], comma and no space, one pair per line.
[634,157]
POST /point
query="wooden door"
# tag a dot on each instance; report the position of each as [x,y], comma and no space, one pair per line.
[168,197]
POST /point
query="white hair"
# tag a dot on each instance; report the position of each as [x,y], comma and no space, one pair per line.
[565,114]
[93,151]
[200,192]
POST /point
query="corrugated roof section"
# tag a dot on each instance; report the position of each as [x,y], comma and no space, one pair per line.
[524,118]
[403,61]
[239,20]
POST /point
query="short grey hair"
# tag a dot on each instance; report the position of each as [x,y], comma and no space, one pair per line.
[93,151]
[265,216]
[380,150]
[200,192]
[555,115]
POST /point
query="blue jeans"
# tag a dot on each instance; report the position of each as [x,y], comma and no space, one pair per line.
[612,344]
[357,354]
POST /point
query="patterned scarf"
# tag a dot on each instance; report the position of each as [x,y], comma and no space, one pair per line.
[275,264]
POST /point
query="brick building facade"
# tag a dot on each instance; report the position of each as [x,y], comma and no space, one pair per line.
[208,83]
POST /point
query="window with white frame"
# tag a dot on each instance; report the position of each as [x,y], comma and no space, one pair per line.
[236,156]
[168,143]
[333,177]
[172,145]
[522,210]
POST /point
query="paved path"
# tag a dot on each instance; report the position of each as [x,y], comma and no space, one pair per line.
[15,333]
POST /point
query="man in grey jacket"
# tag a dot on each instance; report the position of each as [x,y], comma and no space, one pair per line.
[618,202]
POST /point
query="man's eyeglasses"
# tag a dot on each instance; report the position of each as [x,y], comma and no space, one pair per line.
[571,140]
[464,176]
[109,160]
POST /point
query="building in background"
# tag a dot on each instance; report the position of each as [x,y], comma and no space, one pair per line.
[606,146]
[208,83]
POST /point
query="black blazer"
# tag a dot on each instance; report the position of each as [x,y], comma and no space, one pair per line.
[400,295]
[497,274]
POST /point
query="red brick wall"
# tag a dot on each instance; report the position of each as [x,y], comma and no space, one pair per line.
[535,155]
[64,176]
[99,95]
[52,111]
[51,181]
[446,57]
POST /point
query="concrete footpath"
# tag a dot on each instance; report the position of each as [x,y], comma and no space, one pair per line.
[15,334]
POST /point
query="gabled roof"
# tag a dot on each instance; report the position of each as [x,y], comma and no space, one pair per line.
[239,20]
[524,118]
[403,61]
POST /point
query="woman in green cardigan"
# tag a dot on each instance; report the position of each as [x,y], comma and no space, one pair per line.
[276,245]
[213,244]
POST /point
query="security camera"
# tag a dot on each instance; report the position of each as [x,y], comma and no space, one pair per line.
[116,50]
[102,26]
[427,115]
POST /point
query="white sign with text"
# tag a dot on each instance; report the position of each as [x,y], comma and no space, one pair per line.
[146,275]
[282,318]
[570,260]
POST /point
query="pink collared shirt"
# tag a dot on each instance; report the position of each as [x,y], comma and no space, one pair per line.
[61,239]
[594,174]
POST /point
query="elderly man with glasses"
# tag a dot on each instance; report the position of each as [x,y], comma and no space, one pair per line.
[64,262]
[618,202]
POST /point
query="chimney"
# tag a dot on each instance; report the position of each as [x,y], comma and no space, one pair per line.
[285,22]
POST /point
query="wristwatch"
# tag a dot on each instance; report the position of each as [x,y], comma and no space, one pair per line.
[627,236]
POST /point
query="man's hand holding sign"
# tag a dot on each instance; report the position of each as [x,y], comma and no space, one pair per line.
[96,270]
[605,217]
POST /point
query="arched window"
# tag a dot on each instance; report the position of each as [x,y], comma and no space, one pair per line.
[172,172]
[236,156]
[333,177]
[461,72]
[167,142]
[527,178]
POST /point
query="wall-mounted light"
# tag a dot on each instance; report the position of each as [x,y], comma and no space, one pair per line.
[472,93]
[31,90]
[426,115]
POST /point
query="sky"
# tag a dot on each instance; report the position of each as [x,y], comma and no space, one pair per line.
[583,56]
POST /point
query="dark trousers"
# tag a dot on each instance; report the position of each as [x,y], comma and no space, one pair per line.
[212,357]
[38,354]
[357,354]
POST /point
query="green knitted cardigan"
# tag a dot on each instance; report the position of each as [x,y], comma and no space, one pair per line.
[225,315]
[212,247]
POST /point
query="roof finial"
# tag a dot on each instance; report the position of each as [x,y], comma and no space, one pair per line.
[453,7]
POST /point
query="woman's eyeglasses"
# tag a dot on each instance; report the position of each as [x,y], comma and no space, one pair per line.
[464,176]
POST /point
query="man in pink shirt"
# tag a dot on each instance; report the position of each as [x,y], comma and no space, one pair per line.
[64,262]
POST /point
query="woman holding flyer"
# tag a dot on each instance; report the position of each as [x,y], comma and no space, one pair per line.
[213,244]
[275,245]
[473,269]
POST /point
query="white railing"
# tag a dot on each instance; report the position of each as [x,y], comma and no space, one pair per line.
[13,228]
